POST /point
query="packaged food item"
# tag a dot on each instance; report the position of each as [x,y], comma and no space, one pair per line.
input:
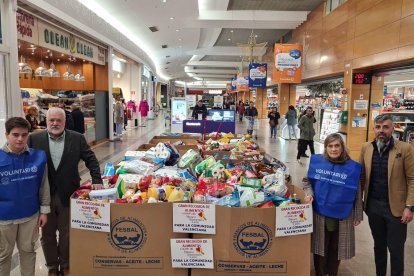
[176,195]
[251,198]
[231,200]
[208,162]
[109,169]
[132,155]
[251,182]
[108,194]
[143,166]
[190,159]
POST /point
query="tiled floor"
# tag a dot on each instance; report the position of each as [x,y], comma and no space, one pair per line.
[284,150]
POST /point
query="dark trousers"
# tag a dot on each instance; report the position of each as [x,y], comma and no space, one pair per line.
[388,233]
[302,147]
[56,253]
[328,264]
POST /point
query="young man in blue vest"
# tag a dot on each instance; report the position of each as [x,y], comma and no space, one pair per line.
[388,184]
[24,197]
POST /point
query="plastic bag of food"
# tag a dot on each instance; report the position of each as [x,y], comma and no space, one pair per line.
[109,169]
[143,166]
[190,159]
[205,164]
[170,171]
[231,200]
[251,198]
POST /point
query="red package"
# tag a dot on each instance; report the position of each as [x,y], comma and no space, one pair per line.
[267,204]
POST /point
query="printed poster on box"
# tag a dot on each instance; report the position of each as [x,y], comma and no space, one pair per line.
[192,253]
[257,75]
[90,215]
[294,220]
[288,63]
[194,218]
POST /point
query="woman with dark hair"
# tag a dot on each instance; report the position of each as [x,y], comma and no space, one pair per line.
[332,186]
[291,120]
[274,117]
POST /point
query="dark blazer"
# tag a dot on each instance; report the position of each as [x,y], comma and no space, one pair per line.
[78,120]
[65,179]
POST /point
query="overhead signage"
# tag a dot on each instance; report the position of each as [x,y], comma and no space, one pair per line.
[257,75]
[194,218]
[38,32]
[294,220]
[192,253]
[233,83]
[361,78]
[26,27]
[59,40]
[242,83]
[288,63]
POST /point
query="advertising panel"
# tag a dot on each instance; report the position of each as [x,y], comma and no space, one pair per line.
[288,63]
[26,27]
[233,84]
[242,83]
[257,75]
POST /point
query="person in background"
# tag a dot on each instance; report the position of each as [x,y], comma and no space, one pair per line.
[337,209]
[250,113]
[200,108]
[291,120]
[274,117]
[21,215]
[32,116]
[241,110]
[78,118]
[118,118]
[307,132]
[388,185]
[125,108]
[64,149]
[68,118]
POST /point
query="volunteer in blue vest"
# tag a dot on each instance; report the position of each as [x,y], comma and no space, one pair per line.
[24,197]
[388,182]
[332,186]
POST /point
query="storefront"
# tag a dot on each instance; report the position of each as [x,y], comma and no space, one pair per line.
[60,68]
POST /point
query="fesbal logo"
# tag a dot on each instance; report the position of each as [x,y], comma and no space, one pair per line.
[252,239]
[127,235]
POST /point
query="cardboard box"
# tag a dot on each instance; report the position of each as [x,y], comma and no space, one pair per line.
[186,141]
[138,244]
[245,244]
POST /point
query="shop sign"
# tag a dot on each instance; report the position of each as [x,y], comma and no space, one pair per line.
[62,41]
[257,75]
[194,218]
[288,63]
[26,27]
[361,104]
[233,84]
[192,253]
[294,220]
[90,215]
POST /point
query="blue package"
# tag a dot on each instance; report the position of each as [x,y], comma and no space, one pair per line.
[109,170]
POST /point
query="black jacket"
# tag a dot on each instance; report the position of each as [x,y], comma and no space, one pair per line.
[252,112]
[79,121]
[65,179]
[199,110]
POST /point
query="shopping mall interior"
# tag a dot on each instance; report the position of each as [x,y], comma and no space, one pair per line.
[350,60]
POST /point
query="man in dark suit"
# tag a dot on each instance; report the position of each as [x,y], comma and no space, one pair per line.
[64,150]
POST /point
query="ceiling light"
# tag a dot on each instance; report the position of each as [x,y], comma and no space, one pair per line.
[180,46]
[231,31]
[180,39]
[62,55]
[24,67]
[164,1]
[177,30]
[48,51]
[41,70]
[58,59]
[172,18]
[53,72]
[31,46]
[228,39]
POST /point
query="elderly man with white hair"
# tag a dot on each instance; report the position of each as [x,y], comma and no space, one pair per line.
[64,149]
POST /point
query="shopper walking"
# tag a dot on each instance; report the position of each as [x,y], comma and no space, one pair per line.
[241,110]
[250,113]
[24,197]
[291,120]
[64,149]
[388,182]
[274,117]
[337,208]
[199,109]
[306,133]
[78,119]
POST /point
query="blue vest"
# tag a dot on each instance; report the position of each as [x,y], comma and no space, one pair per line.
[20,179]
[334,186]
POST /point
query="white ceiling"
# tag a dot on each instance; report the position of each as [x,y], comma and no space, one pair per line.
[202,35]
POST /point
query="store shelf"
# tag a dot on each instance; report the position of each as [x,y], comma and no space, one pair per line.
[330,123]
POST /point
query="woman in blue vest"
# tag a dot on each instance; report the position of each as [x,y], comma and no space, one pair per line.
[332,186]
[24,197]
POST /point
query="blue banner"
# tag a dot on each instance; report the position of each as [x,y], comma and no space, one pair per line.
[233,83]
[257,75]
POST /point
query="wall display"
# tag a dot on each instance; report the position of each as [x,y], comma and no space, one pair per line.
[359,122]
[330,123]
[288,63]
[233,83]
[257,75]
[361,78]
